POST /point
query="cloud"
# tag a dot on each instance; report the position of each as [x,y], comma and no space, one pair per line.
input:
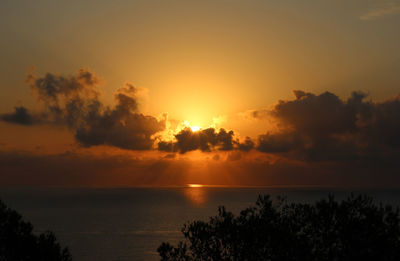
[121,126]
[317,139]
[254,114]
[326,128]
[73,101]
[86,169]
[308,128]
[381,8]
[77,168]
[205,140]
[21,115]
[278,142]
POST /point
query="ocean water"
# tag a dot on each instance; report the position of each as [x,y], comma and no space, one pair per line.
[129,224]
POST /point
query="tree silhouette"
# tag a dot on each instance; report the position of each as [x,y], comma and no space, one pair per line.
[352,229]
[18,243]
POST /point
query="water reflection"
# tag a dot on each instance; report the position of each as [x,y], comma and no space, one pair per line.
[196,194]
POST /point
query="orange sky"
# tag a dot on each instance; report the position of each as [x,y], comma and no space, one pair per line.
[204,64]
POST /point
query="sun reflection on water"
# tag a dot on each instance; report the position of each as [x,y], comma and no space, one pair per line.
[195,193]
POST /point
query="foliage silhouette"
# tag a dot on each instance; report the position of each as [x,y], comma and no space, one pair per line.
[18,243]
[352,229]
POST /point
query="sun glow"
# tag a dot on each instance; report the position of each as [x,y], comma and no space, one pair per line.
[195,128]
[187,124]
[194,185]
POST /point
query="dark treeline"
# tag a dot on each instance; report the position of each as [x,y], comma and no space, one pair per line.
[352,229]
[19,243]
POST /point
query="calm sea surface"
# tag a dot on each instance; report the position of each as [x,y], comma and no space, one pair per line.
[129,224]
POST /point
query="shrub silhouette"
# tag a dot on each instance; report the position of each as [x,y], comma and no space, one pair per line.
[352,229]
[18,243]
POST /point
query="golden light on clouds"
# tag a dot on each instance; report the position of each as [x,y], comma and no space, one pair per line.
[195,125]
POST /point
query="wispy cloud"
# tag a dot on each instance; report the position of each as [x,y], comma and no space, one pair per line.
[381,8]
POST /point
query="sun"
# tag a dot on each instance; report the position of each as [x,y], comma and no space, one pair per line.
[195,128]
[188,125]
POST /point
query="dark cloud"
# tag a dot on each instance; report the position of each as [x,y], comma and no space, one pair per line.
[205,140]
[131,131]
[24,168]
[82,169]
[74,101]
[21,116]
[247,145]
[278,142]
[52,88]
[325,127]
[121,126]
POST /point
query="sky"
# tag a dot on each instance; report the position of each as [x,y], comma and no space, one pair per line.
[163,93]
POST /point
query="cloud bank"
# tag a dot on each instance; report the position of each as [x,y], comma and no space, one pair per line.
[74,102]
[316,139]
[76,169]
[325,128]
[310,127]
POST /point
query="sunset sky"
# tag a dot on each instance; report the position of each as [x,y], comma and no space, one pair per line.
[164,93]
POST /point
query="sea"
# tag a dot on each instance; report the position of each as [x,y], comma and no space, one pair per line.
[128,224]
